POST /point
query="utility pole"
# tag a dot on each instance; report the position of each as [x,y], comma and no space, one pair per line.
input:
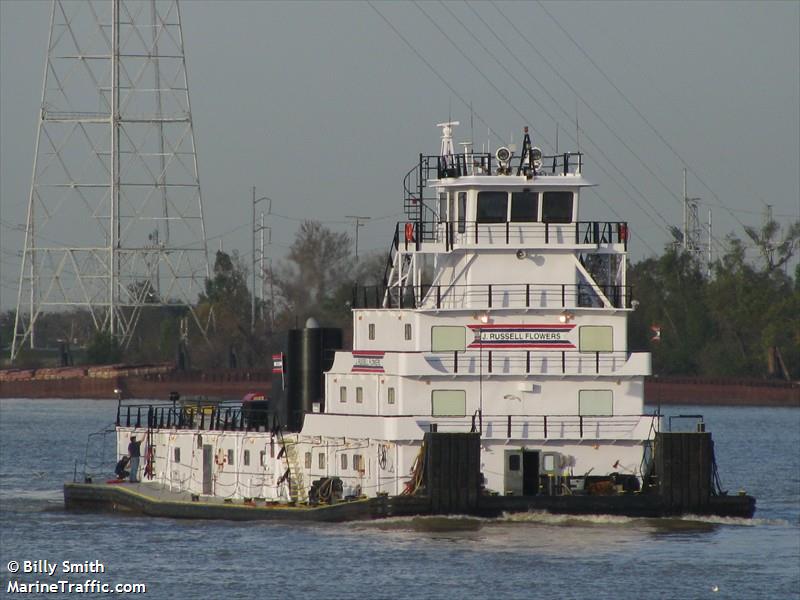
[255,230]
[358,222]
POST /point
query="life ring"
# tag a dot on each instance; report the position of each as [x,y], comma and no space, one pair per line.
[623,232]
[409,232]
[219,459]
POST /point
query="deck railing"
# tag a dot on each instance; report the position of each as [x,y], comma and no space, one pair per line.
[491,295]
[546,426]
[221,416]
[487,362]
[413,235]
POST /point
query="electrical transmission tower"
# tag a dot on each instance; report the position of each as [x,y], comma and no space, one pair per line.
[690,237]
[115,217]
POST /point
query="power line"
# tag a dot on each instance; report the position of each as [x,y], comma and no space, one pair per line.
[638,112]
[527,91]
[482,74]
[432,69]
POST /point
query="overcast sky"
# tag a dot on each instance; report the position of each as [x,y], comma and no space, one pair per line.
[324,107]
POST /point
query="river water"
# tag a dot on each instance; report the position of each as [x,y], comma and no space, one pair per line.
[529,556]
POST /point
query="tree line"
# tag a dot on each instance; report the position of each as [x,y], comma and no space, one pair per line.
[740,319]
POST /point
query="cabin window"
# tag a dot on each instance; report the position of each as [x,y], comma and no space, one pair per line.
[448,338]
[344,462]
[596,338]
[557,207]
[513,462]
[596,403]
[371,329]
[359,395]
[390,396]
[246,459]
[449,403]
[230,456]
[408,331]
[342,394]
[176,455]
[199,441]
[442,207]
[492,207]
[358,462]
[321,460]
[524,207]
[262,457]
[462,212]
[308,460]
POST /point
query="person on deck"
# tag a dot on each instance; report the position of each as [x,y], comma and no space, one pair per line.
[121,469]
[135,452]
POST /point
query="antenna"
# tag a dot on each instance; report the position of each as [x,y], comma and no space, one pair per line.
[447,137]
[471,122]
[115,172]
[556,137]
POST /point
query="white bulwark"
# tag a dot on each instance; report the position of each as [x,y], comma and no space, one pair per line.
[502,313]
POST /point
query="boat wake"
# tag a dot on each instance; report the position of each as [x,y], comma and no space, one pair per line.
[469,523]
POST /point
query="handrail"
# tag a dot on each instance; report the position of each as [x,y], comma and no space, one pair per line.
[547,426]
[222,416]
[488,361]
[490,295]
[512,233]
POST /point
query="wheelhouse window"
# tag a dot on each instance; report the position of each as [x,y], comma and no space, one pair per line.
[442,207]
[390,399]
[371,331]
[342,394]
[492,207]
[524,206]
[359,395]
[557,207]
[408,331]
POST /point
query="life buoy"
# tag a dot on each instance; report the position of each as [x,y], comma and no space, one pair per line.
[623,232]
[409,232]
[219,459]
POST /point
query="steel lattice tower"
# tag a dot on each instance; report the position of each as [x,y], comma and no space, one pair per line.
[115,218]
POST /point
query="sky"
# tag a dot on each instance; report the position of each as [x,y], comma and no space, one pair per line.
[325,106]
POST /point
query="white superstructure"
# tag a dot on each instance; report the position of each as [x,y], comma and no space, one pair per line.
[502,313]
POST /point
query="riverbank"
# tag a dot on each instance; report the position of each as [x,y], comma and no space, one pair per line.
[157,381]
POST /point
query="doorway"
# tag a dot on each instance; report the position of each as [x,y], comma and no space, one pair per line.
[208,460]
[530,473]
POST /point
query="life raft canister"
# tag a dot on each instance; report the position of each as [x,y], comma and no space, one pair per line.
[409,232]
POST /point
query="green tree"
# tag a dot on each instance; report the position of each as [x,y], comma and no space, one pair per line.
[754,310]
[225,305]
[316,278]
[103,349]
[671,295]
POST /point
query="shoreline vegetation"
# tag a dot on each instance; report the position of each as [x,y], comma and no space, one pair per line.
[157,381]
[737,318]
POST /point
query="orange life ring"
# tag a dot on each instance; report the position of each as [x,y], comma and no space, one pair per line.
[409,232]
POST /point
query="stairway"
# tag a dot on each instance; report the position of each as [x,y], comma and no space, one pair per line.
[297,488]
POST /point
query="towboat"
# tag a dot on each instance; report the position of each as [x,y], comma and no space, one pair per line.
[489,373]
